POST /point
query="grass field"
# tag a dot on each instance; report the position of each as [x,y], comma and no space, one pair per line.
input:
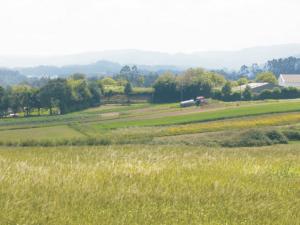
[138,184]
[153,164]
[55,132]
[153,120]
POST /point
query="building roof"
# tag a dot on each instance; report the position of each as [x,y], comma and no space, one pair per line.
[291,78]
[256,87]
[251,85]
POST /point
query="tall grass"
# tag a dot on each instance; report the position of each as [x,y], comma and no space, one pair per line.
[242,123]
[150,185]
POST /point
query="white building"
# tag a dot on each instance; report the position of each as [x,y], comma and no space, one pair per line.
[256,87]
[289,80]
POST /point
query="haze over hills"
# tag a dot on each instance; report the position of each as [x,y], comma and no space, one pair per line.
[209,59]
[99,68]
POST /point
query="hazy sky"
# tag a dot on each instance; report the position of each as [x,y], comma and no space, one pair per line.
[73,26]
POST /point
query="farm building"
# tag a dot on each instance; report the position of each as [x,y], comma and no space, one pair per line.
[257,87]
[289,80]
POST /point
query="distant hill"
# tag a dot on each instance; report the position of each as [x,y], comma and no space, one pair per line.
[209,59]
[94,69]
[10,77]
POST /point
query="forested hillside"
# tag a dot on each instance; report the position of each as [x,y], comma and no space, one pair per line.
[289,65]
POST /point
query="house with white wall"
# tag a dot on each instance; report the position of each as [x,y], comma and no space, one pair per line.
[289,80]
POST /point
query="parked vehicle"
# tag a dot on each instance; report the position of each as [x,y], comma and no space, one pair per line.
[201,100]
[13,115]
[187,103]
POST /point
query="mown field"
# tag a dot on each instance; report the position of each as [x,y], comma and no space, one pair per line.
[154,164]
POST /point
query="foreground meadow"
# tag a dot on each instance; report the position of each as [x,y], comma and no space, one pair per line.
[140,184]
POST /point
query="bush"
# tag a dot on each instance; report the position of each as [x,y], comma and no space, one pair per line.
[292,135]
[277,137]
[266,94]
[255,138]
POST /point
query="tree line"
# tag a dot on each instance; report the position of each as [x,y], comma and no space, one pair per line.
[198,82]
[65,95]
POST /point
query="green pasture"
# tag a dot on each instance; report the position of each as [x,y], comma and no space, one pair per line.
[121,123]
[44,133]
[218,114]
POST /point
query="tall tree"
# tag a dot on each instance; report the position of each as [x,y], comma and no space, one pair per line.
[195,82]
[227,90]
[56,93]
[165,88]
[20,99]
[3,107]
[247,93]
[128,91]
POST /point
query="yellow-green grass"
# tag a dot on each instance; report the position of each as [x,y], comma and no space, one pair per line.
[233,124]
[44,133]
[142,134]
[150,185]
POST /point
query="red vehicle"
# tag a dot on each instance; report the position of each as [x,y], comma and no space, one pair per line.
[201,100]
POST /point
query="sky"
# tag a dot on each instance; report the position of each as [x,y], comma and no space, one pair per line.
[58,27]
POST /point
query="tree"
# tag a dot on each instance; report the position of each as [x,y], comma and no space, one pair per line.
[109,94]
[56,93]
[20,99]
[3,106]
[277,93]
[80,93]
[266,94]
[108,81]
[131,75]
[247,94]
[196,82]
[77,76]
[267,77]
[96,93]
[227,90]
[125,70]
[216,79]
[165,88]
[290,92]
[242,81]
[290,65]
[128,91]
[35,100]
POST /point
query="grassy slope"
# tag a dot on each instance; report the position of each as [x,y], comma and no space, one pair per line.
[150,185]
[251,110]
[98,121]
[53,133]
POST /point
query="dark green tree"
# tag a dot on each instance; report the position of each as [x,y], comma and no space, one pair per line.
[56,93]
[3,107]
[165,88]
[247,93]
[96,93]
[128,91]
[226,91]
